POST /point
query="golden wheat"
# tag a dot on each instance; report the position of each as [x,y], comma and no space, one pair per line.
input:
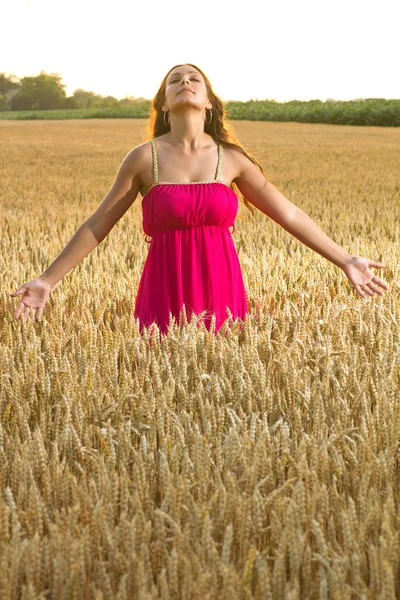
[261,464]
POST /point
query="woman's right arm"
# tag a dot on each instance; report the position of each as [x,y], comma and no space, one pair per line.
[120,197]
[92,232]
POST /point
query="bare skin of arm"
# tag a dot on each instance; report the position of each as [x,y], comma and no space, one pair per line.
[90,234]
[267,198]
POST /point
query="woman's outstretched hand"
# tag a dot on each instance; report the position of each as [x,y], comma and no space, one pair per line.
[34,294]
[363,279]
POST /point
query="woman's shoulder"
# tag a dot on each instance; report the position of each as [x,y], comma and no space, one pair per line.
[235,155]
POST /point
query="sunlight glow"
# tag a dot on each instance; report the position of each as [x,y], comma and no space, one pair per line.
[290,50]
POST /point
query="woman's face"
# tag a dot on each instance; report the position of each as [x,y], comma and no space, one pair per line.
[185,86]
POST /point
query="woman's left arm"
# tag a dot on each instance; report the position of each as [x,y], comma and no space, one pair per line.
[267,198]
[356,268]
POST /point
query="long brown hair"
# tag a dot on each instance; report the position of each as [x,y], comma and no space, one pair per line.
[219,129]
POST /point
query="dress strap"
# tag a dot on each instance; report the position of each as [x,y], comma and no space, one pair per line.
[155,162]
[219,165]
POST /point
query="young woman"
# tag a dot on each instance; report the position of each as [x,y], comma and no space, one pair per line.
[187,174]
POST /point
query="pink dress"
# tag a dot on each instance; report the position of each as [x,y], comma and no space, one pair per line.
[192,259]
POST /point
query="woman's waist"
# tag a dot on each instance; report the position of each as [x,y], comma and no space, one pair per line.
[194,228]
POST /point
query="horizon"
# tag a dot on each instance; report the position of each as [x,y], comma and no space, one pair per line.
[224,100]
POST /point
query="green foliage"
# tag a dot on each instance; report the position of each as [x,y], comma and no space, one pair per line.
[3,102]
[139,111]
[374,111]
[7,83]
[43,97]
[83,99]
[39,93]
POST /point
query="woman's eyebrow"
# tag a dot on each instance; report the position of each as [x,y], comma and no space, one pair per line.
[188,72]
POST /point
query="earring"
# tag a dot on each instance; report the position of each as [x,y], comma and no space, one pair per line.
[208,122]
[165,112]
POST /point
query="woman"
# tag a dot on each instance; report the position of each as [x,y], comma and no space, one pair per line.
[192,262]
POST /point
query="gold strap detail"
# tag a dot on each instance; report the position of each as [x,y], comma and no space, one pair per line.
[155,162]
[219,165]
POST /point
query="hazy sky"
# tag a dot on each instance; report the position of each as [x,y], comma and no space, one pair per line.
[284,50]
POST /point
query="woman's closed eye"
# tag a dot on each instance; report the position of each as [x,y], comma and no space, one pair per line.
[194,79]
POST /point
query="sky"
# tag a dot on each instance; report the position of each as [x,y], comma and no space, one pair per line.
[286,50]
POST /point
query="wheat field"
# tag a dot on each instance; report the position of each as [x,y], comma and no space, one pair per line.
[263,464]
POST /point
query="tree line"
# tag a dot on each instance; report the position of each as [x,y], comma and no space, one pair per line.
[47,92]
[43,97]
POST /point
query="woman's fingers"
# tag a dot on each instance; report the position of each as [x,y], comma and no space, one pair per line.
[22,308]
[380,282]
[371,288]
[376,280]
[19,310]
[374,288]
[360,291]
[376,264]
[26,311]
[367,290]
